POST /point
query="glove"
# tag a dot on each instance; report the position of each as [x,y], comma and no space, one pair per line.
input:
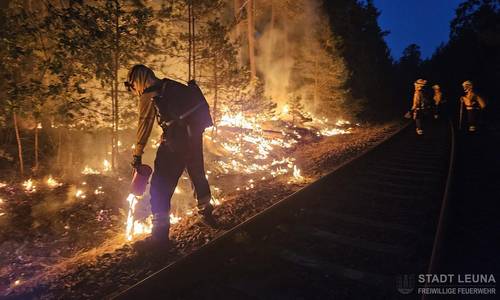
[136,161]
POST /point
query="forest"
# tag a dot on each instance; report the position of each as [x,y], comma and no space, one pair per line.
[294,89]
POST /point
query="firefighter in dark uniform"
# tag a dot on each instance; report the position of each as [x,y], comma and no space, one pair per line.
[418,105]
[473,104]
[439,102]
[183,118]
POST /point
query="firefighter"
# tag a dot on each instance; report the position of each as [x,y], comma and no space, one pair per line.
[418,106]
[183,120]
[439,102]
[473,104]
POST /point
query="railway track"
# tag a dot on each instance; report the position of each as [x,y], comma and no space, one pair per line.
[348,235]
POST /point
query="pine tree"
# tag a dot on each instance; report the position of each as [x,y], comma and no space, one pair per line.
[104,39]
[18,54]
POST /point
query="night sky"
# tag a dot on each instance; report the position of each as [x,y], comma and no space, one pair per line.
[423,22]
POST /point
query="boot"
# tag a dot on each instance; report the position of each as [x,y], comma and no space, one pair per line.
[206,216]
[161,227]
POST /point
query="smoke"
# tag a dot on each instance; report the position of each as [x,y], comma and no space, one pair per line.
[292,59]
[274,67]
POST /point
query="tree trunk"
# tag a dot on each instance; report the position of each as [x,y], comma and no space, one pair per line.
[36,149]
[194,40]
[273,24]
[114,92]
[190,46]
[316,83]
[237,14]
[59,151]
[19,144]
[69,164]
[216,90]
[251,39]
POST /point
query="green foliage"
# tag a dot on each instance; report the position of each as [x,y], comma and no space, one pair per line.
[472,52]
[365,51]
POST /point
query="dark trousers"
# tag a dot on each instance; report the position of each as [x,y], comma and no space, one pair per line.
[169,165]
[472,117]
[418,116]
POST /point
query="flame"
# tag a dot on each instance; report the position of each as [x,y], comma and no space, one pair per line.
[2,185]
[333,131]
[174,219]
[52,183]
[80,194]
[136,227]
[39,126]
[155,144]
[29,186]
[296,173]
[132,201]
[89,171]
[106,165]
[249,150]
[285,110]
[341,122]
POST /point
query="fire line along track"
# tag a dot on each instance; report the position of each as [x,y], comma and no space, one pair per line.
[348,235]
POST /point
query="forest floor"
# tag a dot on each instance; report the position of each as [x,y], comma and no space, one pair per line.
[67,241]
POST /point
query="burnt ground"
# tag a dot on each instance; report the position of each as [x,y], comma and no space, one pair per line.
[104,264]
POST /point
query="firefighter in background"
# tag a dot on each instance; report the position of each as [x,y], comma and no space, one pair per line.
[439,102]
[418,106]
[473,104]
[183,121]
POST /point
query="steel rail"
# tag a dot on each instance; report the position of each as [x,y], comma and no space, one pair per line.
[181,268]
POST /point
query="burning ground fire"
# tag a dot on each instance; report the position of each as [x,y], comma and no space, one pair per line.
[248,150]
[242,155]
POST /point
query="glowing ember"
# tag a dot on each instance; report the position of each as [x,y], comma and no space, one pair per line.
[29,186]
[17,282]
[89,171]
[2,185]
[98,191]
[52,183]
[80,194]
